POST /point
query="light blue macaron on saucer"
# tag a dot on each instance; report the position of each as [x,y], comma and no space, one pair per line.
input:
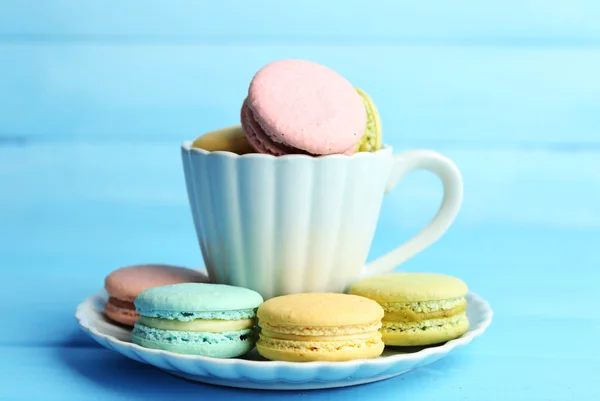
[196,302]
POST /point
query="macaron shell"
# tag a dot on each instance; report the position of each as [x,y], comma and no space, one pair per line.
[409,287]
[124,316]
[319,309]
[443,330]
[295,351]
[197,297]
[395,312]
[214,345]
[256,137]
[231,139]
[127,282]
[262,143]
[307,106]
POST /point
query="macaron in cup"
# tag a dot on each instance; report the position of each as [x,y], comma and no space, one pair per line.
[372,137]
[300,107]
[284,219]
[231,139]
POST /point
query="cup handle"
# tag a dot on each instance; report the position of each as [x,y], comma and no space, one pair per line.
[451,178]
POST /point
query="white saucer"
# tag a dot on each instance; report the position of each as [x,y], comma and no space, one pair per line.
[252,371]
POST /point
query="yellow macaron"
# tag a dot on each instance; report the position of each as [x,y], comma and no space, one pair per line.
[319,327]
[231,139]
[420,308]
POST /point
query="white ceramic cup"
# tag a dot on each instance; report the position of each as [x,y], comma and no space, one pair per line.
[292,224]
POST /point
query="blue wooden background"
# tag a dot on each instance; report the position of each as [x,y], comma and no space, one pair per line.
[96,96]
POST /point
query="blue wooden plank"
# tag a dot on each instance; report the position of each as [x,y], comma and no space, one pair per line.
[483,95]
[543,189]
[72,212]
[309,21]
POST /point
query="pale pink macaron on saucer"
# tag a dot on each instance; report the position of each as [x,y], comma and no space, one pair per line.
[300,107]
[125,284]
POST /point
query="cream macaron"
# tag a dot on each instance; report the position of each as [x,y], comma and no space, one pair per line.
[420,308]
[319,327]
[230,139]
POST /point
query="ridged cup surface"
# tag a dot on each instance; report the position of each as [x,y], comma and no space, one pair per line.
[289,224]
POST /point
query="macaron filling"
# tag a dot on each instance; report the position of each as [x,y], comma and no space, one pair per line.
[204,315]
[145,333]
[267,327]
[120,311]
[119,303]
[262,142]
[424,322]
[320,339]
[294,337]
[214,326]
[423,310]
[371,139]
[424,306]
[407,315]
[321,346]
[259,139]
[424,325]
[221,338]
[422,314]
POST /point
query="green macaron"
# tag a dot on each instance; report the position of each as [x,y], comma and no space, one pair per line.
[420,308]
[201,319]
[372,138]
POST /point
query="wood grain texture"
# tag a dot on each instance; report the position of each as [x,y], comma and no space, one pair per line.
[543,188]
[96,96]
[482,95]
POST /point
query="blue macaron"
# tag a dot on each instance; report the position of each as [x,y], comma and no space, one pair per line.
[212,320]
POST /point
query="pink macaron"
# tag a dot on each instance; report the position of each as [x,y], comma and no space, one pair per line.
[300,107]
[125,284]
